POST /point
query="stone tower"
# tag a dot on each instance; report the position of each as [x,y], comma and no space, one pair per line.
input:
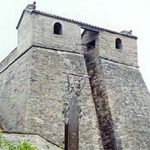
[115,102]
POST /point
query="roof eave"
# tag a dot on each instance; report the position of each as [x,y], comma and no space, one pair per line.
[81,24]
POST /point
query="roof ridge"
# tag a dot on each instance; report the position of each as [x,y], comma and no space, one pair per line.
[82,24]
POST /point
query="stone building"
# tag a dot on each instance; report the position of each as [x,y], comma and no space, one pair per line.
[115,102]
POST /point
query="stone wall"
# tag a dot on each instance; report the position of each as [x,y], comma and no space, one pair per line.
[48,82]
[14,89]
[37,29]
[100,97]
[36,82]
[36,86]
[121,98]
[43,29]
[126,55]
[129,103]
[8,60]
[115,103]
[25,32]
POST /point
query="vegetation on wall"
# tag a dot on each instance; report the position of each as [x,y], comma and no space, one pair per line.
[21,145]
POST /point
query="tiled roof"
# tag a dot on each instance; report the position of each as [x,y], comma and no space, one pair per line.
[83,25]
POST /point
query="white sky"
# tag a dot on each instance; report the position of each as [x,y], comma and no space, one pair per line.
[112,14]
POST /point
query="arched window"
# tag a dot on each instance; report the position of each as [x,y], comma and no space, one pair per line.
[58,28]
[118,43]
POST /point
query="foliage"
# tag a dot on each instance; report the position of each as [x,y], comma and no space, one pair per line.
[21,145]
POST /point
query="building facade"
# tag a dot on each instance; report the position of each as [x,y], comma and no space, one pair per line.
[51,56]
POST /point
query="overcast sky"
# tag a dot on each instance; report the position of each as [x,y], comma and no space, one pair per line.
[112,14]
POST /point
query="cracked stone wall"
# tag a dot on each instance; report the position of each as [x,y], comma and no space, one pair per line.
[43,33]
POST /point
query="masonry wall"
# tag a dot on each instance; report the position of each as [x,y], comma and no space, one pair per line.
[8,60]
[25,32]
[37,29]
[36,86]
[36,82]
[43,30]
[99,93]
[48,93]
[120,94]
[126,55]
[14,89]
[129,103]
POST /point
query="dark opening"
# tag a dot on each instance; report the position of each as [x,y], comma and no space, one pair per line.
[66,137]
[58,28]
[118,43]
[91,45]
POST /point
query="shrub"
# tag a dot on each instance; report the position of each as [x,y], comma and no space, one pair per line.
[21,145]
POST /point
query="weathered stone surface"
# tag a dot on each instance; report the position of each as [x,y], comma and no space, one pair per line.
[115,103]
[121,98]
[44,74]
[11,57]
[48,88]
[25,32]
[126,55]
[100,97]
[35,29]
[14,88]
[129,103]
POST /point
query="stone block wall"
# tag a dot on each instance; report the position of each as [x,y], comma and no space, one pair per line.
[115,102]
[37,29]
[43,34]
[126,55]
[120,95]
[129,103]
[36,86]
[14,89]
[8,60]
[48,90]
[100,97]
[25,32]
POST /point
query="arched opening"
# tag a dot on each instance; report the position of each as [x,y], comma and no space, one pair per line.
[58,28]
[118,43]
